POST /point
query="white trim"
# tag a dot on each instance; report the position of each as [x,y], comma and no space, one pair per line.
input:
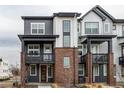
[38,28]
[35,70]
[34,49]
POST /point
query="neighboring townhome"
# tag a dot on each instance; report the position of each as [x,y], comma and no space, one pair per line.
[4,70]
[49,49]
[101,47]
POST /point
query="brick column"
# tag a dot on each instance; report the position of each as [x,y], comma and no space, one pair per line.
[88,78]
[23,70]
[110,74]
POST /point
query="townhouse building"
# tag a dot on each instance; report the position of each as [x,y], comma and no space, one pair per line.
[68,48]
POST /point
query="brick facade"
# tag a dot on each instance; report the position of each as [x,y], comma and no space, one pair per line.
[111,79]
[66,77]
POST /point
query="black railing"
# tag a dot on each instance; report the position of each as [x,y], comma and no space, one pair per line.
[40,57]
[100,58]
[121,60]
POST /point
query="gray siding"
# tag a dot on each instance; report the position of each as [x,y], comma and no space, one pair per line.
[48,26]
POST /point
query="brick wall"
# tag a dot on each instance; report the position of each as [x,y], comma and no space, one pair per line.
[66,77]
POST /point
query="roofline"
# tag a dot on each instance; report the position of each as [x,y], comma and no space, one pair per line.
[36,17]
[67,14]
[118,21]
[98,13]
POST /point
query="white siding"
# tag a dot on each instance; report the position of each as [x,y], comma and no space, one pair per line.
[57,29]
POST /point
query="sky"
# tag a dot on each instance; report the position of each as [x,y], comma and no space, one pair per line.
[11,23]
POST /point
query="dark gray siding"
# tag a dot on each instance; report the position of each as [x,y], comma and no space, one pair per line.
[48,26]
[34,78]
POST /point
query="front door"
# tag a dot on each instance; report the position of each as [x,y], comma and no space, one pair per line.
[43,73]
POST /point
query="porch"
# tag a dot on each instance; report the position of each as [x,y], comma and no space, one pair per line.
[98,65]
[39,73]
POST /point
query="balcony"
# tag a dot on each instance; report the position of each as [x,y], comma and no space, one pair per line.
[121,60]
[96,58]
[40,58]
[100,58]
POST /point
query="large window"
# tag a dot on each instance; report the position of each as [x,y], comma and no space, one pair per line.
[66,33]
[66,62]
[66,26]
[91,28]
[33,70]
[37,28]
[81,70]
[66,41]
[33,50]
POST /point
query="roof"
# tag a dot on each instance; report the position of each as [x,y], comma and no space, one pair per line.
[37,17]
[67,14]
[37,37]
[100,12]
[119,21]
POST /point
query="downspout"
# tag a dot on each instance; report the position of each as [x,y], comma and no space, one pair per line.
[74,52]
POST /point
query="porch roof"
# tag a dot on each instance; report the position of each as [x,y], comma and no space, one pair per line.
[38,37]
[96,39]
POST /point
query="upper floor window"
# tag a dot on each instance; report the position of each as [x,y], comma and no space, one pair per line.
[66,25]
[66,41]
[37,28]
[91,28]
[34,50]
[106,27]
[122,30]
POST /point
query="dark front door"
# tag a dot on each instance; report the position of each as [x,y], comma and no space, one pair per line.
[43,73]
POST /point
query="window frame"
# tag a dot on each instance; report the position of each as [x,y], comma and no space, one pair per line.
[66,65]
[69,25]
[108,28]
[91,31]
[95,72]
[35,70]
[38,28]
[105,69]
[122,70]
[64,45]
[81,69]
[33,50]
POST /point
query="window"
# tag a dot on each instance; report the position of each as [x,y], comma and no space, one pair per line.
[91,28]
[66,26]
[37,28]
[33,70]
[66,41]
[66,62]
[33,50]
[122,71]
[95,70]
[114,27]
[50,71]
[106,27]
[66,33]
[122,30]
[105,69]
[81,70]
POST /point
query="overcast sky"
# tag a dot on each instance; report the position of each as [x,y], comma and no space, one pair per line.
[11,24]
